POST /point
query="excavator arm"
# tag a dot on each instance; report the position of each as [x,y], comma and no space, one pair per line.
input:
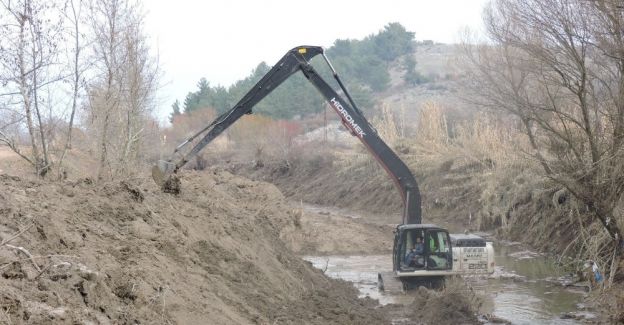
[298,59]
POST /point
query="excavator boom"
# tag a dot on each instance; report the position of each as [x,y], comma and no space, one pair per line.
[298,59]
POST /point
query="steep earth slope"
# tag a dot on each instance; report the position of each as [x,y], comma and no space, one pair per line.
[125,253]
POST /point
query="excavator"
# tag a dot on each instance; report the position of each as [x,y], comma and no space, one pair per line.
[436,256]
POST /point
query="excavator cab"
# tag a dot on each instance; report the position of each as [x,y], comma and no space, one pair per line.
[422,256]
[422,249]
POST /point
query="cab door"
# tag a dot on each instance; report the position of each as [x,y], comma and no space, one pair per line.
[438,250]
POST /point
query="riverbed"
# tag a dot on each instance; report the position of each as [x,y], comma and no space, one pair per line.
[527,288]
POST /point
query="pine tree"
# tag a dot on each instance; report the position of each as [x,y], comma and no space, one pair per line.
[190,102]
[176,111]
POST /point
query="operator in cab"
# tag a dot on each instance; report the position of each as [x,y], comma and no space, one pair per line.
[415,257]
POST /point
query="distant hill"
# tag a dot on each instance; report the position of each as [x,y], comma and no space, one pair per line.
[435,62]
[388,69]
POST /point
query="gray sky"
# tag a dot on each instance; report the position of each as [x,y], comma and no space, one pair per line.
[224,40]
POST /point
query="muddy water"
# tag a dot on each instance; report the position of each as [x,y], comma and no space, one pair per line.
[525,289]
[362,271]
[528,288]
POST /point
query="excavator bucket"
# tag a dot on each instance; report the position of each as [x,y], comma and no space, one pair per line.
[163,175]
[158,175]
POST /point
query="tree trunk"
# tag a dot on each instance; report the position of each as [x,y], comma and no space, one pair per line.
[25,93]
[103,145]
[46,162]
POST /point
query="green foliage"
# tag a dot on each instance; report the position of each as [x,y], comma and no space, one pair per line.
[393,42]
[362,96]
[361,64]
[411,76]
[365,62]
[190,102]
[176,111]
[206,97]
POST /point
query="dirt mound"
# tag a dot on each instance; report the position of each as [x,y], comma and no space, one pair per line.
[456,304]
[125,253]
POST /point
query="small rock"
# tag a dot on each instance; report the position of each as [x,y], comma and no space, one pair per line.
[87,274]
[58,313]
[423,292]
[492,319]
[578,315]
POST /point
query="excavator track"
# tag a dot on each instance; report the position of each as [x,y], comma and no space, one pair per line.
[390,283]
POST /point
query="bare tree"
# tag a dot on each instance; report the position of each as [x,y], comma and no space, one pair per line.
[141,79]
[73,14]
[121,96]
[28,51]
[104,92]
[108,60]
[558,66]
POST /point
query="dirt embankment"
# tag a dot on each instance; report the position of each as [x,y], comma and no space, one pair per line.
[457,196]
[318,180]
[327,231]
[125,253]
[450,199]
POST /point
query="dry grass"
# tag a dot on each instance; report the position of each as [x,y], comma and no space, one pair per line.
[482,139]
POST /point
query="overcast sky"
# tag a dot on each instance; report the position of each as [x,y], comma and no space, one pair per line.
[224,40]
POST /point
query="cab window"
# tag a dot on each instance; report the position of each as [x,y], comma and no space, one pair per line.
[439,250]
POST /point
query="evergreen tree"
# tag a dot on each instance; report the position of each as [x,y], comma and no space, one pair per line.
[221,99]
[362,64]
[393,42]
[176,111]
[204,87]
[411,76]
[190,102]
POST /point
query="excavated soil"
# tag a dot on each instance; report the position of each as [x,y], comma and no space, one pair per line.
[327,231]
[456,304]
[222,251]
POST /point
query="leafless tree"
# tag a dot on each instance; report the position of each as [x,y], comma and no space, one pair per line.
[121,95]
[141,79]
[74,18]
[28,50]
[108,69]
[558,67]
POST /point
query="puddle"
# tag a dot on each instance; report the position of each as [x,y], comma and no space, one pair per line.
[362,271]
